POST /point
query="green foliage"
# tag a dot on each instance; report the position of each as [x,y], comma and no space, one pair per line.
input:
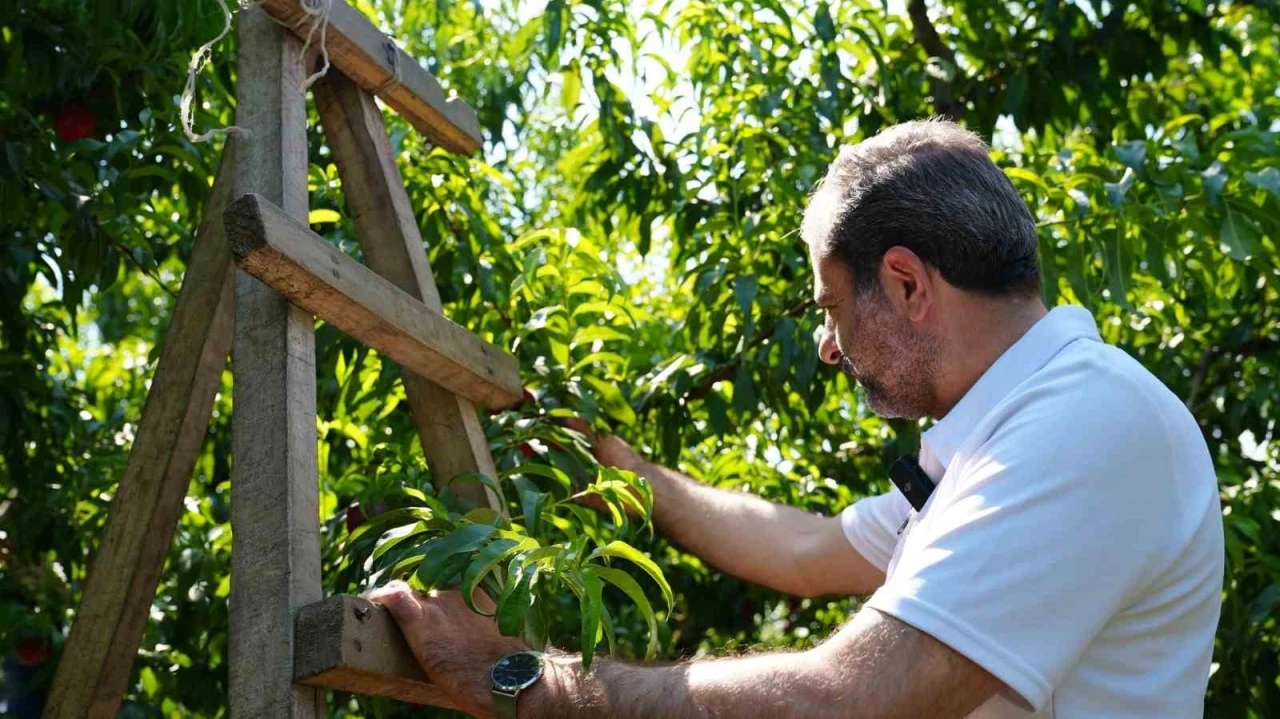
[630,234]
[549,547]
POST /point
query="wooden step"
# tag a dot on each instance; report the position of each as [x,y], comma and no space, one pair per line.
[352,645]
[367,56]
[317,276]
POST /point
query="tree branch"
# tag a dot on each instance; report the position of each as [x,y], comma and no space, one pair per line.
[926,35]
[727,370]
[1213,353]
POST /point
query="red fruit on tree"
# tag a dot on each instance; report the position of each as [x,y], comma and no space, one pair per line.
[527,450]
[355,517]
[32,651]
[75,123]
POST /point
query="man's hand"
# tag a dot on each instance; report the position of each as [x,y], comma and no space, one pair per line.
[609,450]
[455,646]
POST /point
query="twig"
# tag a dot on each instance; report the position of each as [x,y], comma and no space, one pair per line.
[1210,356]
[1207,357]
[944,100]
[726,370]
[133,260]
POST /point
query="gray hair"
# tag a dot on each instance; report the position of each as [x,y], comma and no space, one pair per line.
[929,186]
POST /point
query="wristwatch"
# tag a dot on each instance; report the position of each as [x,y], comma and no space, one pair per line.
[511,675]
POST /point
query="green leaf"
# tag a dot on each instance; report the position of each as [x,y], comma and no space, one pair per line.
[823,26]
[441,552]
[590,605]
[321,217]
[1026,175]
[635,488]
[379,523]
[599,333]
[622,550]
[1266,179]
[485,561]
[514,601]
[631,588]
[150,684]
[744,290]
[1214,178]
[484,479]
[553,17]
[611,400]
[397,536]
[1117,190]
[571,77]
[531,503]
[542,470]
[608,359]
[1238,236]
[1132,153]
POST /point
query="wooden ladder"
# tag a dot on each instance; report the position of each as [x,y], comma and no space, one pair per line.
[287,642]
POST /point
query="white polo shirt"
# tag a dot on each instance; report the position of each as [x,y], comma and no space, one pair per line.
[1073,545]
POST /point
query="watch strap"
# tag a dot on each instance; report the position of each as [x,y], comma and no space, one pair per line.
[504,703]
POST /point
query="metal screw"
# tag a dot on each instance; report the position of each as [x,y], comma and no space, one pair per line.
[362,613]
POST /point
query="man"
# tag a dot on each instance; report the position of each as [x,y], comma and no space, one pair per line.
[1069,561]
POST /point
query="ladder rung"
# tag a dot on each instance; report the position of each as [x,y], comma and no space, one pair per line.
[364,54]
[352,645]
[320,278]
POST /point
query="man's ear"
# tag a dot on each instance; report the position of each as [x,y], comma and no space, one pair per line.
[907,282]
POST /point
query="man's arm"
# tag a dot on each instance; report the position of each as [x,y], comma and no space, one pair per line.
[876,666]
[780,547]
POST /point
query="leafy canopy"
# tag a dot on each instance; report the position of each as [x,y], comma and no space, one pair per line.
[630,234]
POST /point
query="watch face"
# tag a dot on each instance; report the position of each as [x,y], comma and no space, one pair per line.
[517,671]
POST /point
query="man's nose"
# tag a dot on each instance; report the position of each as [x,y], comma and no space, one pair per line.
[827,348]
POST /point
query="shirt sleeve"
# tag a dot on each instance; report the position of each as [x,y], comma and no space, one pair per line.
[1040,539]
[871,526]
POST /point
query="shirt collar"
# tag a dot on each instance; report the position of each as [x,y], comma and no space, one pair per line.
[1061,326]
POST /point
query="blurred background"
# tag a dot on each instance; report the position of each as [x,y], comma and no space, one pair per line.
[629,231]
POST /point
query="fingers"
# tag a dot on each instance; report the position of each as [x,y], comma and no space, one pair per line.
[400,600]
[580,425]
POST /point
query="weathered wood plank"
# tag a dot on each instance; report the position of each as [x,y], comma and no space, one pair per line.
[98,656]
[320,278]
[275,558]
[450,431]
[367,56]
[349,644]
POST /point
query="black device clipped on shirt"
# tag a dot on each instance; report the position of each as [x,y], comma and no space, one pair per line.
[910,479]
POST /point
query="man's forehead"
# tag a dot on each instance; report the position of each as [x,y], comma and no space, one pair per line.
[819,218]
[829,279]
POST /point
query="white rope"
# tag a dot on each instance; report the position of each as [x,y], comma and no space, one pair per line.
[198,61]
[318,11]
[315,12]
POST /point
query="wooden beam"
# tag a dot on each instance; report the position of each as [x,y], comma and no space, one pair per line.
[352,645]
[367,56]
[275,552]
[94,671]
[320,278]
[448,426]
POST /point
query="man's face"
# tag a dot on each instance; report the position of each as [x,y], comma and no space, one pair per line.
[875,344]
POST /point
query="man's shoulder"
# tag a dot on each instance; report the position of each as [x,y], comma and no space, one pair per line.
[1093,387]
[1092,407]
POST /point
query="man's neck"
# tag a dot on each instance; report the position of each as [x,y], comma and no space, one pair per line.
[981,329]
